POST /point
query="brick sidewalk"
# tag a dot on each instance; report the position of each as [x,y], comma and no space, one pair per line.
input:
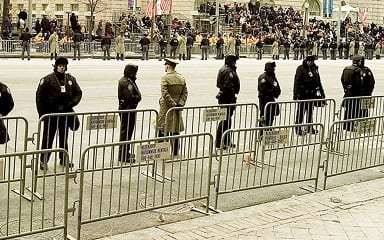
[349,212]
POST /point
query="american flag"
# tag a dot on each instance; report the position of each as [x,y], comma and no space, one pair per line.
[162,7]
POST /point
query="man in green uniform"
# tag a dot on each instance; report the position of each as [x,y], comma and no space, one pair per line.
[174,93]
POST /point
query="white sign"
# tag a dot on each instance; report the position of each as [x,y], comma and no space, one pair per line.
[365,126]
[276,136]
[101,122]
[368,103]
[214,114]
[154,151]
[1,169]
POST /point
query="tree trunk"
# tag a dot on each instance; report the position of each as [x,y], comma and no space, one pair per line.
[6,4]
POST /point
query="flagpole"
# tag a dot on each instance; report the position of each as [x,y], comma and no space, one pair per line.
[170,19]
[154,3]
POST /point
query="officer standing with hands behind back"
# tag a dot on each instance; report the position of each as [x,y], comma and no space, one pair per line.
[57,92]
[228,83]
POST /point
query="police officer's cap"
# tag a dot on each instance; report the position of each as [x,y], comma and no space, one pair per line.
[170,61]
[357,58]
[269,66]
[61,61]
[310,58]
[231,58]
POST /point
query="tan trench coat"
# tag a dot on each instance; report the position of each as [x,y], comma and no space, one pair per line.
[231,46]
[173,93]
[182,45]
[275,48]
[119,48]
[53,43]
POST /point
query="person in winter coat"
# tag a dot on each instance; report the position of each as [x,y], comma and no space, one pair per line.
[129,97]
[307,85]
[228,83]
[182,47]
[57,92]
[357,80]
[275,50]
[120,46]
[174,93]
[53,45]
[6,106]
[269,91]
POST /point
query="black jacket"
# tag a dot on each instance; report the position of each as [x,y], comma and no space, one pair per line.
[357,81]
[6,100]
[307,83]
[144,41]
[228,83]
[51,99]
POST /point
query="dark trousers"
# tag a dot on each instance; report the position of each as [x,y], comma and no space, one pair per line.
[224,126]
[189,52]
[286,53]
[333,54]
[340,53]
[107,52]
[353,110]
[204,52]
[304,108]
[127,125]
[219,54]
[162,53]
[259,53]
[51,125]
[302,54]
[296,54]
[325,54]
[173,51]
[76,49]
[175,143]
[144,51]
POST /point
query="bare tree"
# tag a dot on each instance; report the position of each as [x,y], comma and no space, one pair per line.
[6,6]
[95,7]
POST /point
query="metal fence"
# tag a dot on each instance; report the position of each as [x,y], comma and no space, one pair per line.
[268,156]
[76,131]
[47,218]
[109,191]
[298,112]
[354,145]
[214,119]
[361,107]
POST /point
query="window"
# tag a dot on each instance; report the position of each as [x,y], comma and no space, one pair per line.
[59,7]
[45,6]
[74,7]
[34,7]
[60,19]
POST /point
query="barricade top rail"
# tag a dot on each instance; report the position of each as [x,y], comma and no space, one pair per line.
[363,97]
[26,153]
[356,120]
[211,106]
[275,127]
[14,117]
[306,100]
[96,112]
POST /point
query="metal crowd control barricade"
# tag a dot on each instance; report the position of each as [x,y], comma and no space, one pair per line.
[210,119]
[93,128]
[46,219]
[110,191]
[17,134]
[298,112]
[360,107]
[360,142]
[268,156]
[12,47]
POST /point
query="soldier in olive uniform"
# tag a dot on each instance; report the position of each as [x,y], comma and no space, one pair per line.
[269,90]
[6,106]
[129,97]
[174,93]
[57,92]
[228,84]
[357,81]
[307,85]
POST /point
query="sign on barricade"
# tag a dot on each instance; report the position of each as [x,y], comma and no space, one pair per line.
[361,107]
[279,158]
[128,191]
[153,152]
[213,115]
[354,149]
[101,122]
[368,103]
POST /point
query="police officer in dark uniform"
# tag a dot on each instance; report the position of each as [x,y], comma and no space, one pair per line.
[162,48]
[220,47]
[204,45]
[287,47]
[296,49]
[57,92]
[307,85]
[357,80]
[237,46]
[144,43]
[174,43]
[303,46]
[6,106]
[269,90]
[333,48]
[324,49]
[129,97]
[189,46]
[260,49]
[340,48]
[228,83]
